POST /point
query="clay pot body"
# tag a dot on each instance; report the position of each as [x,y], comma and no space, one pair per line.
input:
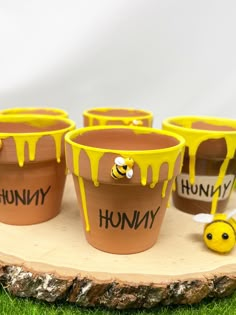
[32,166]
[123,216]
[35,111]
[209,166]
[117,116]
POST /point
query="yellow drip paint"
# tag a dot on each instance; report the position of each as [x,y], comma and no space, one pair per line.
[32,138]
[218,183]
[192,163]
[174,186]
[75,154]
[94,158]
[90,121]
[153,160]
[20,150]
[32,142]
[57,140]
[194,137]
[84,203]
[20,142]
[102,121]
[164,187]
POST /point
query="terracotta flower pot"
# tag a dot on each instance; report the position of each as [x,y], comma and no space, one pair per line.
[32,167]
[123,215]
[35,111]
[209,166]
[117,116]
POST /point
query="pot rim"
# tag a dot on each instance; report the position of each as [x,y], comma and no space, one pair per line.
[28,118]
[140,130]
[146,114]
[17,111]
[188,120]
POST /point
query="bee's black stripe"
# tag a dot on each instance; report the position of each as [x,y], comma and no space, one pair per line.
[113,175]
[119,172]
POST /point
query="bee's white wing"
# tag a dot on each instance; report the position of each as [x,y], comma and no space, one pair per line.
[231,214]
[129,173]
[119,161]
[203,218]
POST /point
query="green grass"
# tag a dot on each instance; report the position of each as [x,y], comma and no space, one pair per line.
[10,305]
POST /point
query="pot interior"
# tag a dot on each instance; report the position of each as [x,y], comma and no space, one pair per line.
[125,139]
[32,125]
[119,112]
[205,124]
[34,111]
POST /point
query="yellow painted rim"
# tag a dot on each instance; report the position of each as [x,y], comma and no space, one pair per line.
[31,138]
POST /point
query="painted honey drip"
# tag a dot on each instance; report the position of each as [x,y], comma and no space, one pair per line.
[164,187]
[84,203]
[57,141]
[31,139]
[154,161]
[32,143]
[195,138]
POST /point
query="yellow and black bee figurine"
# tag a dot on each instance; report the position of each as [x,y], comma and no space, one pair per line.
[122,168]
[219,232]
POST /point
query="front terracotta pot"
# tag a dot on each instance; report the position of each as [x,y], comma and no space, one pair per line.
[117,116]
[123,215]
[35,111]
[209,166]
[32,167]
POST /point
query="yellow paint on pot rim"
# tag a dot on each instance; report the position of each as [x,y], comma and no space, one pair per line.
[31,138]
[143,158]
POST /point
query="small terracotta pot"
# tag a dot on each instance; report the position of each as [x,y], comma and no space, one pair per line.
[35,111]
[123,215]
[32,167]
[209,167]
[117,116]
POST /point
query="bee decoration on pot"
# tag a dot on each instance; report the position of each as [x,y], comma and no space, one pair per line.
[219,232]
[122,168]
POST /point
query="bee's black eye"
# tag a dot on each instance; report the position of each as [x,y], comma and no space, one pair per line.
[209,236]
[225,236]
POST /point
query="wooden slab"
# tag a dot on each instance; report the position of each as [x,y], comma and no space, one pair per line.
[53,261]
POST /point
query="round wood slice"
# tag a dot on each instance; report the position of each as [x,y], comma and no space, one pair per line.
[52,261]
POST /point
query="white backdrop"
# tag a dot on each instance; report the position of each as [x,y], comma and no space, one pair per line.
[170,57]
